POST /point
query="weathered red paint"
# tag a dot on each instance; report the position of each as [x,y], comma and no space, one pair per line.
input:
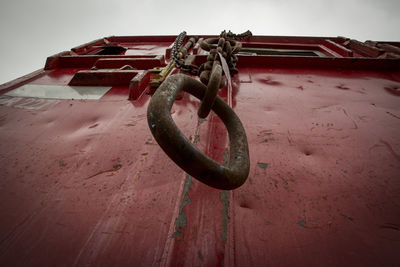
[84,183]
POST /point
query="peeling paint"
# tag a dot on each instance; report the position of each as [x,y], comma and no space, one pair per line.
[226,157]
[180,221]
[201,121]
[302,224]
[262,165]
[200,256]
[224,197]
[347,217]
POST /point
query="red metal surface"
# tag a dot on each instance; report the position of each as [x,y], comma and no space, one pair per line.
[83,182]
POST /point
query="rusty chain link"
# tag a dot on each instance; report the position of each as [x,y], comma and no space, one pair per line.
[178,54]
[227,44]
[220,49]
[182,151]
[223,51]
[211,92]
[232,36]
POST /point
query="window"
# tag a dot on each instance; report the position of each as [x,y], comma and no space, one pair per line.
[279,52]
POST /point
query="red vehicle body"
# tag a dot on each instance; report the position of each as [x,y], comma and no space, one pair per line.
[83,182]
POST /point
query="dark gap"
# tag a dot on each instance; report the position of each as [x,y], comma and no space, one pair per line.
[111,50]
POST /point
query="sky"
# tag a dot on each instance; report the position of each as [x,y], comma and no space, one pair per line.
[33,30]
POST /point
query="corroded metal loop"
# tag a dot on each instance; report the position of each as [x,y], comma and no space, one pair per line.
[228,49]
[179,53]
[247,34]
[236,48]
[211,43]
[221,43]
[212,56]
[208,65]
[182,151]
[225,45]
[211,92]
[205,76]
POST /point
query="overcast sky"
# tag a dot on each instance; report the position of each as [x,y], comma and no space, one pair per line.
[32,30]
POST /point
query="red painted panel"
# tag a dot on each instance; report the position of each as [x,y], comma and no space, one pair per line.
[137,63]
[103,77]
[324,185]
[83,182]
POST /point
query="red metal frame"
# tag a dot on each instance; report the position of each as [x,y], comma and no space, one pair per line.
[83,182]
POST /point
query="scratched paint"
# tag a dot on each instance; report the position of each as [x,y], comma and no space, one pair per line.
[224,196]
[302,224]
[180,221]
[225,200]
[59,92]
[262,165]
[26,103]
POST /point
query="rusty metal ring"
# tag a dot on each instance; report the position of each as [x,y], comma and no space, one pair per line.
[212,91]
[182,151]
[210,43]
[221,43]
[205,76]
[236,48]
[228,49]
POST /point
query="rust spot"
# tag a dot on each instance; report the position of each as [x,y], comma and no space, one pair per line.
[61,163]
[302,224]
[244,205]
[269,81]
[347,217]
[200,256]
[181,221]
[262,165]
[116,167]
[94,126]
[391,114]
[342,87]
[390,148]
[225,199]
[393,90]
